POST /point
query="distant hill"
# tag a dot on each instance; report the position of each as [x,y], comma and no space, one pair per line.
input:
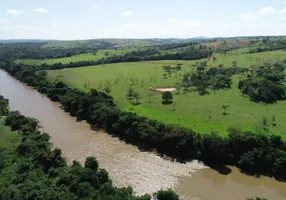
[100,43]
[22,41]
[118,43]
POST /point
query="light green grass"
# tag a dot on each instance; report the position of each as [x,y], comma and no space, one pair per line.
[6,135]
[247,60]
[201,113]
[77,58]
[243,60]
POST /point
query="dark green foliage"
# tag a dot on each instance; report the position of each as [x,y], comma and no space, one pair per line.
[19,122]
[4,110]
[265,84]
[167,96]
[166,195]
[91,163]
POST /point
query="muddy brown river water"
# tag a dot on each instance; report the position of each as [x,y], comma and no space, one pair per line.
[144,171]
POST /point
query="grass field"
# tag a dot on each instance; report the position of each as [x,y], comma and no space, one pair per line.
[77,58]
[6,135]
[201,113]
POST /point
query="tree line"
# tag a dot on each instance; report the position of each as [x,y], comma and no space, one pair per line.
[252,152]
[190,53]
[30,169]
[36,51]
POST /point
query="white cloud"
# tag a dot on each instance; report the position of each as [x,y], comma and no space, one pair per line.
[279,19]
[284,10]
[127,13]
[206,5]
[5,28]
[41,10]
[4,21]
[54,25]
[15,12]
[266,11]
[247,16]
[24,27]
[94,6]
[185,23]
[172,20]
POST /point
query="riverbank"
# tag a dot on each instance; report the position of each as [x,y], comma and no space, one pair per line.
[126,164]
[30,169]
[247,150]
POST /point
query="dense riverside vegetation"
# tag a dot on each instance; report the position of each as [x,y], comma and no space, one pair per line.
[252,152]
[30,170]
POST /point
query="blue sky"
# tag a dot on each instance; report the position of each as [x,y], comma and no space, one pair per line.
[86,19]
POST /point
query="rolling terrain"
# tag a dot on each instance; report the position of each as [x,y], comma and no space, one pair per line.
[201,113]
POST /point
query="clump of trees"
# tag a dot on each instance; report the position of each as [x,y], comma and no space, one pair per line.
[166,195]
[214,78]
[265,84]
[270,45]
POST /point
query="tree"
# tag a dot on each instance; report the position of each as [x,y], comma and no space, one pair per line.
[130,93]
[107,89]
[137,97]
[91,163]
[166,195]
[234,63]
[167,97]
[274,121]
[225,107]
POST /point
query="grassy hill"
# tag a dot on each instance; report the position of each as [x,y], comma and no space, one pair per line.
[100,43]
[201,113]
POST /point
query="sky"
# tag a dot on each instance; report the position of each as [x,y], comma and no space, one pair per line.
[91,19]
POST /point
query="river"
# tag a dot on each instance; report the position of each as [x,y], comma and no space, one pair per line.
[144,171]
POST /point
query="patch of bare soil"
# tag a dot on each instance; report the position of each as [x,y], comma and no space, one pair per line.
[161,90]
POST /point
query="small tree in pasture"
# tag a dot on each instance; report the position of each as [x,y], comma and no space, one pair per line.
[167,97]
[234,64]
[225,107]
[274,121]
[137,97]
[130,93]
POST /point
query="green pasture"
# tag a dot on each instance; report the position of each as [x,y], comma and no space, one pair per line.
[6,135]
[248,60]
[201,113]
